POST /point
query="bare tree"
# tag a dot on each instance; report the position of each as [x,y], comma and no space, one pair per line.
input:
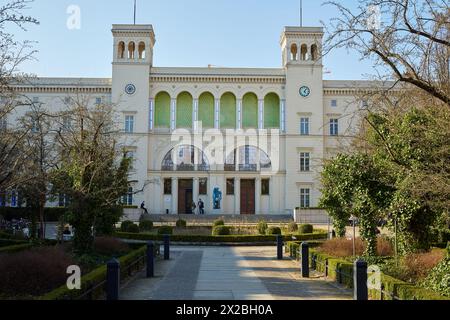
[409,40]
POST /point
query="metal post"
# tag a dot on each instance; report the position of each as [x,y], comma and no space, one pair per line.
[150,259]
[360,280]
[305,260]
[166,239]
[354,237]
[279,247]
[396,242]
[112,280]
[326,268]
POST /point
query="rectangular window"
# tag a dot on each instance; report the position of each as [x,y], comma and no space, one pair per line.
[98,101]
[203,186]
[305,161]
[34,126]
[129,124]
[230,187]
[305,198]
[35,99]
[167,186]
[304,126]
[334,127]
[265,187]
[3,124]
[334,103]
[127,199]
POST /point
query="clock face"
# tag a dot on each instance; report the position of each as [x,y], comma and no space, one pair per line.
[130,89]
[305,91]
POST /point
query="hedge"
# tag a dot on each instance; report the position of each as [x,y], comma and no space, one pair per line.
[50,214]
[219,239]
[10,242]
[341,271]
[94,278]
[16,248]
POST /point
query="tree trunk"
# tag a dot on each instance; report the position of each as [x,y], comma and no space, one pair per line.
[83,239]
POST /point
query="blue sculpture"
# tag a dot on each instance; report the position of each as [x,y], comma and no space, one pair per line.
[217,198]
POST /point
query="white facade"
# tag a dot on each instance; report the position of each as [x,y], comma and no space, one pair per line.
[280,168]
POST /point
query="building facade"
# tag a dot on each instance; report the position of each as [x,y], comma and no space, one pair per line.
[244,140]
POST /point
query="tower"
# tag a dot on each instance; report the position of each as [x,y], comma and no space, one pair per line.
[302,61]
[132,60]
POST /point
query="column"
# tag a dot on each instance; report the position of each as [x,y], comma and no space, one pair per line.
[239,113]
[195,191]
[258,196]
[237,196]
[217,114]
[173,112]
[195,114]
[174,195]
[151,114]
[260,114]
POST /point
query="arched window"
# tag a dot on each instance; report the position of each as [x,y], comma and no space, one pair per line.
[272,111]
[249,158]
[228,111]
[184,110]
[162,110]
[250,111]
[314,52]
[121,50]
[131,49]
[182,158]
[206,110]
[294,52]
[304,52]
[141,50]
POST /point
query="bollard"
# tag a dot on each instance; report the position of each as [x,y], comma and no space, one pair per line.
[166,239]
[360,291]
[112,280]
[150,259]
[305,260]
[326,268]
[279,247]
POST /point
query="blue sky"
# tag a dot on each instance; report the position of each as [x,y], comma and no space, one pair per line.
[226,33]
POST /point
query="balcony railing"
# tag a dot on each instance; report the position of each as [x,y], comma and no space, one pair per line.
[248,167]
[185,167]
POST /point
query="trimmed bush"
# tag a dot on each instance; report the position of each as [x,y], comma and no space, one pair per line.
[145,225]
[33,272]
[221,231]
[125,224]
[274,231]
[109,246]
[262,227]
[305,228]
[293,227]
[218,223]
[134,228]
[181,223]
[50,214]
[220,239]
[165,230]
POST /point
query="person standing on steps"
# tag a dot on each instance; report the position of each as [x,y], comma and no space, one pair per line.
[201,207]
[143,207]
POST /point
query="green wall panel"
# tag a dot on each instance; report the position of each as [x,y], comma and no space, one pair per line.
[162,110]
[272,111]
[206,110]
[228,111]
[250,111]
[184,110]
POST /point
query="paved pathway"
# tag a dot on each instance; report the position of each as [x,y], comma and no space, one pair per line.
[229,273]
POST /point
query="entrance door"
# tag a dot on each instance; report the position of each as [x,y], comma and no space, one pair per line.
[247,196]
[185,196]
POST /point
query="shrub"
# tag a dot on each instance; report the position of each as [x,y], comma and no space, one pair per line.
[274,231]
[439,278]
[221,231]
[145,225]
[293,227]
[33,272]
[109,246]
[218,223]
[181,223]
[305,228]
[125,224]
[417,266]
[262,227]
[164,230]
[133,228]
[342,248]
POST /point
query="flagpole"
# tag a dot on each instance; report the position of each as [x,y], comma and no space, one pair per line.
[301,13]
[134,11]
